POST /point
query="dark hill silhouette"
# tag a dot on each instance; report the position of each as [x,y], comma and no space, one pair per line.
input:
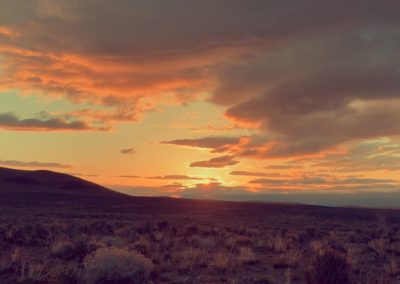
[38,188]
[28,189]
[44,183]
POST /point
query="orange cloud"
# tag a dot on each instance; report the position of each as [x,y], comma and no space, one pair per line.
[255,174]
[175,177]
[217,162]
[8,32]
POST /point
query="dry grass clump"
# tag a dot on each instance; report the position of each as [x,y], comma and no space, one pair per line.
[289,259]
[222,261]
[328,268]
[378,245]
[35,234]
[392,268]
[113,264]
[33,271]
[72,250]
[247,256]
[203,243]
[69,273]
[143,245]
[318,246]
[188,259]
[63,249]
[278,244]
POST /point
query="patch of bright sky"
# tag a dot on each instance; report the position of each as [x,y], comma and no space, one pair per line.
[91,152]
[162,159]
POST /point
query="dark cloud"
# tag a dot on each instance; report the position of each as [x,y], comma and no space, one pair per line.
[347,89]
[90,49]
[217,162]
[130,176]
[311,75]
[375,155]
[180,26]
[12,122]
[32,164]
[216,143]
[128,151]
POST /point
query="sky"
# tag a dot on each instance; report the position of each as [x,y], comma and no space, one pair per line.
[262,100]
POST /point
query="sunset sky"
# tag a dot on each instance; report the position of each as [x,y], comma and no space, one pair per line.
[237,100]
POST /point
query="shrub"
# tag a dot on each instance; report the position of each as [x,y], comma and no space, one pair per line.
[247,256]
[157,237]
[191,230]
[162,225]
[69,273]
[33,271]
[83,247]
[117,265]
[328,268]
[113,241]
[392,267]
[142,245]
[207,243]
[28,234]
[221,261]
[243,241]
[188,259]
[63,249]
[278,244]
[68,250]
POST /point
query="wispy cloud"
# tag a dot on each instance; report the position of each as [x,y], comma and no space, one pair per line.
[128,151]
[255,174]
[175,177]
[32,164]
[10,121]
[333,183]
[130,176]
[165,177]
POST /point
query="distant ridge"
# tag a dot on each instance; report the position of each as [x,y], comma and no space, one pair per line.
[45,182]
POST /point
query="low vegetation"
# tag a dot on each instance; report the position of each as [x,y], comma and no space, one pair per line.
[169,241]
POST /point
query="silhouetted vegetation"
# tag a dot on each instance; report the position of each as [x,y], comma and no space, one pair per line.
[161,240]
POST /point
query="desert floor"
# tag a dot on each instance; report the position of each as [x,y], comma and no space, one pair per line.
[162,240]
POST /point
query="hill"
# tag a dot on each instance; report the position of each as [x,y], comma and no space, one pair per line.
[42,184]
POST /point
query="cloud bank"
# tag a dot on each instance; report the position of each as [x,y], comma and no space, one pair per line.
[312,74]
